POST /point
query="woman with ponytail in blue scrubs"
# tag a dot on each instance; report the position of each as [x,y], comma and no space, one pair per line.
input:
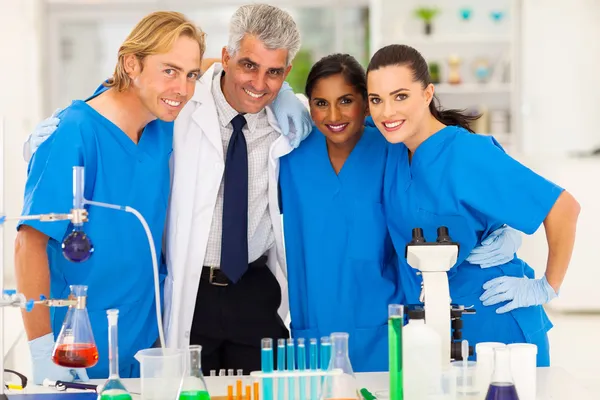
[439,173]
[342,267]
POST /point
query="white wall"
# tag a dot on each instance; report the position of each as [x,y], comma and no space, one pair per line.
[561,84]
[21,24]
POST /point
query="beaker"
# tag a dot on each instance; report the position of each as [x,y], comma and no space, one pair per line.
[340,386]
[113,388]
[502,386]
[194,386]
[162,372]
[75,347]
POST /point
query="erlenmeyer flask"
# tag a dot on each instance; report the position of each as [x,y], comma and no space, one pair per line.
[194,387]
[75,347]
[113,388]
[502,386]
[341,385]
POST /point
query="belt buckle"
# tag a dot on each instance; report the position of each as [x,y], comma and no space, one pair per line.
[212,276]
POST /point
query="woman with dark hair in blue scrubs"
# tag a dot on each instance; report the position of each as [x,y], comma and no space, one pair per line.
[439,173]
[342,267]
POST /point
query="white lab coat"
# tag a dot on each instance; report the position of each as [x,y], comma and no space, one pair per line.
[197,169]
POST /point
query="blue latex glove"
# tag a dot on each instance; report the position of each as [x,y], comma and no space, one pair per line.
[287,106]
[521,292]
[41,132]
[43,366]
[497,249]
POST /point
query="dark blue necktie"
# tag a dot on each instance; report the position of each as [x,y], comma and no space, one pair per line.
[234,241]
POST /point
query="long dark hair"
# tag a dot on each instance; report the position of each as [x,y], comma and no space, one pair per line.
[334,64]
[402,55]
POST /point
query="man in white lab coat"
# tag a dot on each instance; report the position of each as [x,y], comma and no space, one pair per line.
[226,288]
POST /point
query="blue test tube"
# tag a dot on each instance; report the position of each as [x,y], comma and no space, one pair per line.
[313,367]
[267,366]
[281,367]
[291,364]
[302,366]
[325,354]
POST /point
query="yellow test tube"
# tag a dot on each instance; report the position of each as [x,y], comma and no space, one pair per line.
[256,391]
[238,391]
[229,392]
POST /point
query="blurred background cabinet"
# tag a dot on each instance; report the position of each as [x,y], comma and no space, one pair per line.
[473,51]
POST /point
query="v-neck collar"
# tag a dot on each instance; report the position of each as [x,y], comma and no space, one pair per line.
[119,134]
[348,164]
[429,149]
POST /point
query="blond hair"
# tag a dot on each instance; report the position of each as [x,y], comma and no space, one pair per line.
[155,34]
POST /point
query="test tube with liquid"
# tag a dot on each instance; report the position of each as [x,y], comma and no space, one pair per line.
[314,382]
[267,366]
[291,366]
[302,366]
[325,354]
[395,322]
[281,367]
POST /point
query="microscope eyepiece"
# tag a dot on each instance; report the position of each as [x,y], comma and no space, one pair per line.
[417,236]
[443,235]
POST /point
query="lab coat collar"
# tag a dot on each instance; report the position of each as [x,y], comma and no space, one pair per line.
[203,96]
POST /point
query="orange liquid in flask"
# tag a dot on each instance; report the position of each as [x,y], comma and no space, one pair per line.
[76,355]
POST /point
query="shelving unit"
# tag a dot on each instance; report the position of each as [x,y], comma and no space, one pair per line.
[480,39]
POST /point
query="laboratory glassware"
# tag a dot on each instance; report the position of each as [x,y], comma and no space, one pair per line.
[281,367]
[194,386]
[395,323]
[113,388]
[77,246]
[162,372]
[325,352]
[502,386]
[75,347]
[267,366]
[340,386]
[302,365]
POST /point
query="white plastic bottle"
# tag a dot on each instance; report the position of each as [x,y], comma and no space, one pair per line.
[421,358]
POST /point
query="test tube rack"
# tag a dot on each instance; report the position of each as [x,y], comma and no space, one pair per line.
[293,378]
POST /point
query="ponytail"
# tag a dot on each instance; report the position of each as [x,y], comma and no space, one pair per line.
[452,117]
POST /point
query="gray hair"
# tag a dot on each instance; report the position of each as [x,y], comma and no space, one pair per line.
[274,27]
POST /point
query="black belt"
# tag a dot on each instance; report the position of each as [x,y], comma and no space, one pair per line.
[216,277]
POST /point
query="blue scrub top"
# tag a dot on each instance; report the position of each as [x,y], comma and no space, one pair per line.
[342,268]
[119,274]
[467,183]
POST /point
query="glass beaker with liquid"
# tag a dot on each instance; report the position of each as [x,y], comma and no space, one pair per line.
[113,388]
[75,346]
[341,384]
[502,386]
[194,386]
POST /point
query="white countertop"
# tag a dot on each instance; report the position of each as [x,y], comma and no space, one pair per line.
[553,383]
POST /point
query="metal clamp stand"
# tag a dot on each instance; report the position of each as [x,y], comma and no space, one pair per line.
[10,298]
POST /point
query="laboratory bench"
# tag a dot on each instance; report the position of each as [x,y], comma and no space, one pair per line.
[553,383]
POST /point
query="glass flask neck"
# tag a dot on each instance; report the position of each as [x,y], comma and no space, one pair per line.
[113,345]
[194,361]
[339,344]
[502,370]
[79,290]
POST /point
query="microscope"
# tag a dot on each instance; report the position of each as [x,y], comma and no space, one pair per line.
[433,260]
